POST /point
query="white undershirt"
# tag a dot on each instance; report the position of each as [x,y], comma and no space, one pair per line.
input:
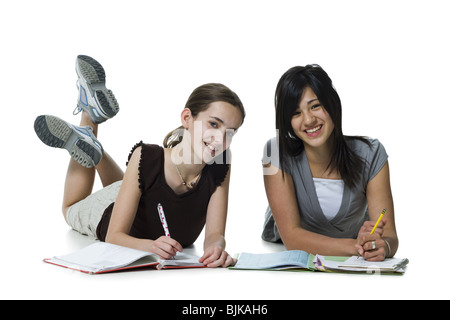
[329,193]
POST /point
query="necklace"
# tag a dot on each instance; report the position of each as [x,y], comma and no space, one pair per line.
[188,185]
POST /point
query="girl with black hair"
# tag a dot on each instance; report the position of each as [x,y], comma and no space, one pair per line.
[325,190]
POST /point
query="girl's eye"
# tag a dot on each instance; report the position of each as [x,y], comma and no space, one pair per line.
[316,106]
[213,124]
[230,133]
[296,113]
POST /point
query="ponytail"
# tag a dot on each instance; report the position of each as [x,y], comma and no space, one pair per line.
[174,137]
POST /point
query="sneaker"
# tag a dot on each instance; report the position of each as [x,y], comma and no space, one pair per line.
[93,97]
[81,143]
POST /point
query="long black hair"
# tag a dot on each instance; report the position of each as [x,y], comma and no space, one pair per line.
[287,98]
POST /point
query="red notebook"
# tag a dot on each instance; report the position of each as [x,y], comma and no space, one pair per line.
[102,257]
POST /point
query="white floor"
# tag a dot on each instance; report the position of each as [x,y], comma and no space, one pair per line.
[388,61]
[24,275]
[27,277]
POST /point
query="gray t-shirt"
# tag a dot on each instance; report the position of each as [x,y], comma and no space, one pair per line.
[353,211]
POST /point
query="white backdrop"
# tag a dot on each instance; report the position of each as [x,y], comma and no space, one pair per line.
[389,63]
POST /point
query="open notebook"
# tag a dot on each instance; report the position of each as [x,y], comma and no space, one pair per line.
[358,264]
[101,257]
[297,259]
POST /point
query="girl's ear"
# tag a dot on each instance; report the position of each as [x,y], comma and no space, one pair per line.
[186,117]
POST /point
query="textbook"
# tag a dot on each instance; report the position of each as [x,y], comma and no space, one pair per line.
[297,259]
[102,257]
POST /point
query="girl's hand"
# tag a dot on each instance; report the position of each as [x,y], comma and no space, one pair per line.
[165,247]
[368,226]
[371,246]
[216,257]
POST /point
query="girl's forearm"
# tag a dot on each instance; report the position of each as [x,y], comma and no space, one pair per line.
[300,239]
[125,240]
[215,239]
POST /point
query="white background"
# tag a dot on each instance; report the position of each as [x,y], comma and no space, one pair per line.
[389,63]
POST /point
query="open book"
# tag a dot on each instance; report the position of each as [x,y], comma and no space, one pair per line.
[297,259]
[101,257]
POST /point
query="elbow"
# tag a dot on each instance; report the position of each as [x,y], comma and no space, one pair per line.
[287,242]
[111,238]
[292,240]
[293,245]
[108,239]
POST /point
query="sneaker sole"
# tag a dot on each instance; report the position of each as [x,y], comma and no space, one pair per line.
[56,133]
[92,77]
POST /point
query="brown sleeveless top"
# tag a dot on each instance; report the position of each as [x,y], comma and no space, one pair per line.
[185,213]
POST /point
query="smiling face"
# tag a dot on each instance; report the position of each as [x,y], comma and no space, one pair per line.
[311,122]
[212,130]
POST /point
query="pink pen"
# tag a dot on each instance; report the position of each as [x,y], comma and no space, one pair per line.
[162,217]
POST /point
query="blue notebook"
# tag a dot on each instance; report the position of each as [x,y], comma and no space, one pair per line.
[292,259]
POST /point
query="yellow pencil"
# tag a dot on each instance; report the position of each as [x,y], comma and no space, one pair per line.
[379,219]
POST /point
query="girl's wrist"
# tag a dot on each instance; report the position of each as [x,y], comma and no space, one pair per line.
[353,248]
[388,248]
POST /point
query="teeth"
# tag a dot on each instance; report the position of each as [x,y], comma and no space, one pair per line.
[210,147]
[314,129]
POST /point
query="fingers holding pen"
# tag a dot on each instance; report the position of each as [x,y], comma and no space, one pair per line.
[371,247]
[369,243]
[166,247]
[368,226]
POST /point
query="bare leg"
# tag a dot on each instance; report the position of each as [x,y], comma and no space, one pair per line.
[80,180]
[108,170]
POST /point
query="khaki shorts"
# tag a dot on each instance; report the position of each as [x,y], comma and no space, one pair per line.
[85,215]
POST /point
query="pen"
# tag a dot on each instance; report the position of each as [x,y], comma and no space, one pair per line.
[162,217]
[378,221]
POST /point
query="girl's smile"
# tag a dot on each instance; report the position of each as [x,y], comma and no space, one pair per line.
[314,132]
[210,148]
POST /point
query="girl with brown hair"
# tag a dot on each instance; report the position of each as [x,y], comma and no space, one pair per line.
[187,179]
